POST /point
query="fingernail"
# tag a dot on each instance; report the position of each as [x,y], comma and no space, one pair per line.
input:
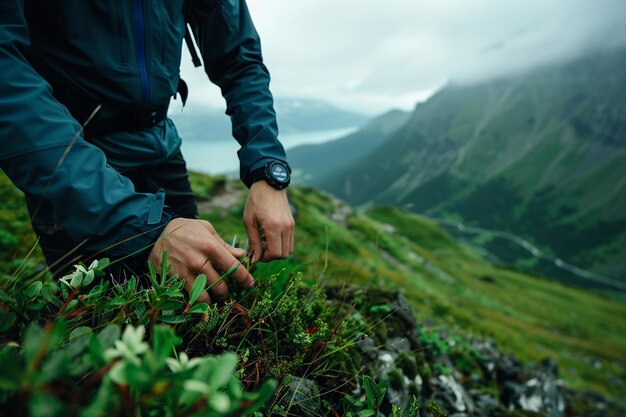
[251,283]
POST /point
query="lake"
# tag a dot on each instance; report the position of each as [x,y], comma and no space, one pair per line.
[220,157]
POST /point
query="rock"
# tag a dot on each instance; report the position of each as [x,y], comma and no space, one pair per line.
[484,401]
[450,393]
[541,391]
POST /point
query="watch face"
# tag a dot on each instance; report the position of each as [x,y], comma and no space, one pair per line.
[279,172]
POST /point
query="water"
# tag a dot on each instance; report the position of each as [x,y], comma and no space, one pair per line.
[220,157]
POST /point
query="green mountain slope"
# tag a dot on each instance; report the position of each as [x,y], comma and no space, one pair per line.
[448,281]
[541,155]
[445,281]
[310,162]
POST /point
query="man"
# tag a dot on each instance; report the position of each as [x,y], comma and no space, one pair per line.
[118,186]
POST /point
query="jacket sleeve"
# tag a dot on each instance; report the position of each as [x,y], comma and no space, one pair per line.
[231,50]
[44,155]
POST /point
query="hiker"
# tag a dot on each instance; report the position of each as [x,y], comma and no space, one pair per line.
[119,187]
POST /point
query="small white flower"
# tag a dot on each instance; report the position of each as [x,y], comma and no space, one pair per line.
[130,347]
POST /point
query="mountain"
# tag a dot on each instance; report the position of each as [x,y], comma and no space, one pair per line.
[294,115]
[309,162]
[541,155]
[306,115]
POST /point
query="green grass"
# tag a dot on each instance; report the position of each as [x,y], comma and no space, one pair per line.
[443,279]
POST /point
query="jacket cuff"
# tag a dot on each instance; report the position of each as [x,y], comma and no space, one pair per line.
[138,243]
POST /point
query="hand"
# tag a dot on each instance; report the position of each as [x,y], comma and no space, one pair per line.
[267,210]
[193,248]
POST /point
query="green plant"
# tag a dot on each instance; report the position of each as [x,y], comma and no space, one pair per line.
[411,410]
[88,348]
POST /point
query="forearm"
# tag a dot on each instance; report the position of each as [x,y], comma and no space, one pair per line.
[233,60]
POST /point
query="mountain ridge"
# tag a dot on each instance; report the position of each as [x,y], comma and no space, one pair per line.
[541,155]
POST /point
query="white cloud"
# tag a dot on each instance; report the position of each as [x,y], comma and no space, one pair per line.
[372,55]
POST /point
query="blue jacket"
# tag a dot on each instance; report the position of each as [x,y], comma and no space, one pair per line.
[76,54]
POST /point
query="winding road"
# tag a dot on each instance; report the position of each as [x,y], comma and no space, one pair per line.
[535,251]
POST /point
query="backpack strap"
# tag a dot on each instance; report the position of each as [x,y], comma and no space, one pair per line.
[192,48]
[188,38]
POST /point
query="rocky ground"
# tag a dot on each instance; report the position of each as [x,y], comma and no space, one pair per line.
[466,377]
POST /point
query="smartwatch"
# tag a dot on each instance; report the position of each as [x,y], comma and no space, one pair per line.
[275,173]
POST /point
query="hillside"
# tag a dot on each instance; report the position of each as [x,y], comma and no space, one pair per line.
[311,162]
[541,155]
[448,284]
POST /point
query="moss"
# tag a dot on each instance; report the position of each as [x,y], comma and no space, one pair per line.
[436,410]
[465,362]
[396,379]
[406,361]
[425,372]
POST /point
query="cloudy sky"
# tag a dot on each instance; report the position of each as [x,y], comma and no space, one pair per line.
[371,56]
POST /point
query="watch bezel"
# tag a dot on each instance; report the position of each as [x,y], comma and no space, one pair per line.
[265,173]
[272,180]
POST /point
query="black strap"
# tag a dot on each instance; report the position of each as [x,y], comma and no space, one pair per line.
[192,49]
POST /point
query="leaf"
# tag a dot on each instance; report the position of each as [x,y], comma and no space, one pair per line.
[102,404]
[54,367]
[42,404]
[6,320]
[169,305]
[34,289]
[200,387]
[365,413]
[109,335]
[77,279]
[222,371]
[96,351]
[198,287]
[35,306]
[164,341]
[103,263]
[172,319]
[199,308]
[165,270]
[80,332]
[373,393]
[118,373]
[117,301]
[88,278]
[220,402]
[152,273]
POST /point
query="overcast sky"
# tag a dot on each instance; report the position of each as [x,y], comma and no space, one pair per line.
[371,56]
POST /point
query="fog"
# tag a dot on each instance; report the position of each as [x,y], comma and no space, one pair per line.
[371,56]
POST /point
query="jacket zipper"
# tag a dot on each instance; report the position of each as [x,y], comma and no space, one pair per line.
[140,35]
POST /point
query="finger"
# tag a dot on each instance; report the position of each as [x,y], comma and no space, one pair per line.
[225,261]
[203,298]
[236,252]
[255,245]
[274,245]
[286,241]
[216,284]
